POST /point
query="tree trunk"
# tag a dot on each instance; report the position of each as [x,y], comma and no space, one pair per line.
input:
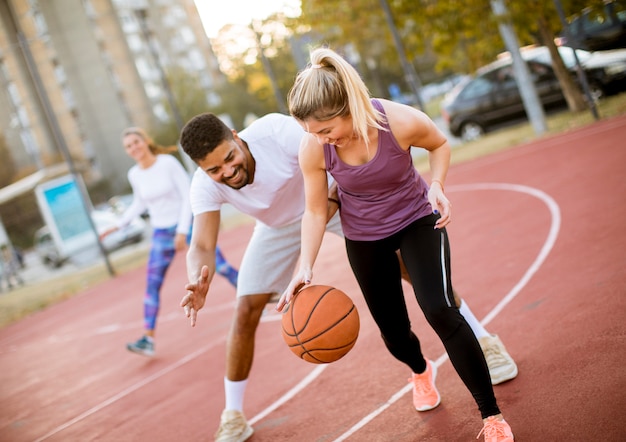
[571,90]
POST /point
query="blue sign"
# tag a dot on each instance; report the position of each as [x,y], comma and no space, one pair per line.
[63,210]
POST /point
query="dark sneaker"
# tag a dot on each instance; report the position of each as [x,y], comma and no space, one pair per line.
[143,346]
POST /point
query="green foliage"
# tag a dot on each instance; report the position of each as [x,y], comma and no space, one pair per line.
[238,102]
[21,218]
[439,38]
[362,35]
[190,99]
[462,33]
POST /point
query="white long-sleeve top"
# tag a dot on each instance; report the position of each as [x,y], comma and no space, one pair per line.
[163,190]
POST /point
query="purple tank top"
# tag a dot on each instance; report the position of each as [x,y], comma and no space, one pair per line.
[383,196]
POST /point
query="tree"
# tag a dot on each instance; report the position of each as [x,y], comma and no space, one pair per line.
[463,33]
[250,88]
[363,38]
[7,166]
[237,102]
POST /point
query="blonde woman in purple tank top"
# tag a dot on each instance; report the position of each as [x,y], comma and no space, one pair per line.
[385,206]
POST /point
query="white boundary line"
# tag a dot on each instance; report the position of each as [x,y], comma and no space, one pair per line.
[554,229]
[549,243]
[132,388]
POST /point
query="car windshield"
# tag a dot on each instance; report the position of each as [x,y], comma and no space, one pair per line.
[478,87]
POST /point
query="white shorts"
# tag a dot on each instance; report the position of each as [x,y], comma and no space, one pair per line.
[271,257]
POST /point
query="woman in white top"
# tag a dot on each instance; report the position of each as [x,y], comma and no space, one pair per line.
[160,185]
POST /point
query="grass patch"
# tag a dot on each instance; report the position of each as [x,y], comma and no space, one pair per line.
[36,296]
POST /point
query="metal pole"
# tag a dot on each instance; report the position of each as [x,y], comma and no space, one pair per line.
[524,81]
[60,140]
[582,77]
[409,70]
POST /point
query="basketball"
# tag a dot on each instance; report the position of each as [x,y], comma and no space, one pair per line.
[320,324]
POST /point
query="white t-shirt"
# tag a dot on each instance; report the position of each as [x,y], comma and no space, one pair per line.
[163,190]
[276,197]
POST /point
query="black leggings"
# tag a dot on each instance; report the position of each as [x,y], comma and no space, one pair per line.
[426,254]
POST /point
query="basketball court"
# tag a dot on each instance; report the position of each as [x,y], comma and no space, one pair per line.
[538,253]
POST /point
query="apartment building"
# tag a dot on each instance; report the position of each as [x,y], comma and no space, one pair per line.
[75,73]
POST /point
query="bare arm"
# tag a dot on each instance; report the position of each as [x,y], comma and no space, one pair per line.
[333,201]
[413,128]
[200,262]
[315,216]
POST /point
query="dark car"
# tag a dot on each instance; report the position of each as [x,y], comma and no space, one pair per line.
[491,98]
[596,29]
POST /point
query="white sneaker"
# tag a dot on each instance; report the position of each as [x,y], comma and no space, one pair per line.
[233,427]
[502,367]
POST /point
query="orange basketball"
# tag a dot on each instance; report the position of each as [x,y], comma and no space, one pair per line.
[320,324]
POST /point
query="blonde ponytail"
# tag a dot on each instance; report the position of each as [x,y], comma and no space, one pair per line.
[330,87]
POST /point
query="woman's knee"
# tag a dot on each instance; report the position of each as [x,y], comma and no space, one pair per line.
[443,319]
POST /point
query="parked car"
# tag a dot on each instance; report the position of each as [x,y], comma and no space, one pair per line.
[119,203]
[605,70]
[51,256]
[491,97]
[596,29]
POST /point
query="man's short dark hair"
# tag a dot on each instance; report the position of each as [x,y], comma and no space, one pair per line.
[202,134]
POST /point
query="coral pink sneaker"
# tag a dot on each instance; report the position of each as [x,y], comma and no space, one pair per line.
[496,430]
[425,394]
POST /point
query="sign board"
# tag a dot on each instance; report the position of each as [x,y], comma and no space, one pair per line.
[64,212]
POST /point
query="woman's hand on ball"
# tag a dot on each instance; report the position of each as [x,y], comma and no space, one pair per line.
[299,281]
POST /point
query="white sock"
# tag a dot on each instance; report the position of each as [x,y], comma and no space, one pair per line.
[473,322]
[235,391]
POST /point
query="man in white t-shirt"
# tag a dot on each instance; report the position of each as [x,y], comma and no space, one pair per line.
[257,172]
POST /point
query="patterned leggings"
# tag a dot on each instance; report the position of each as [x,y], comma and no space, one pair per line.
[161,256]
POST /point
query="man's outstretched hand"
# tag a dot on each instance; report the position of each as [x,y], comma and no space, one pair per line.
[196,295]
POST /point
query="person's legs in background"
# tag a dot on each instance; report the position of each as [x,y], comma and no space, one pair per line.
[161,255]
[224,268]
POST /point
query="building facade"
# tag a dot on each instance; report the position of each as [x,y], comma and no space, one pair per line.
[75,73]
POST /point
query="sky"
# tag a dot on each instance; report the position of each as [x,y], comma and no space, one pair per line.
[217,13]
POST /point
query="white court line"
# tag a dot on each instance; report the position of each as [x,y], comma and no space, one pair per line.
[129,390]
[550,240]
[172,316]
[555,225]
[290,394]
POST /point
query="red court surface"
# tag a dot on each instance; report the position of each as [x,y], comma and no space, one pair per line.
[538,250]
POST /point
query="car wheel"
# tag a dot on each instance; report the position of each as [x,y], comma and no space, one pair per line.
[471,131]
